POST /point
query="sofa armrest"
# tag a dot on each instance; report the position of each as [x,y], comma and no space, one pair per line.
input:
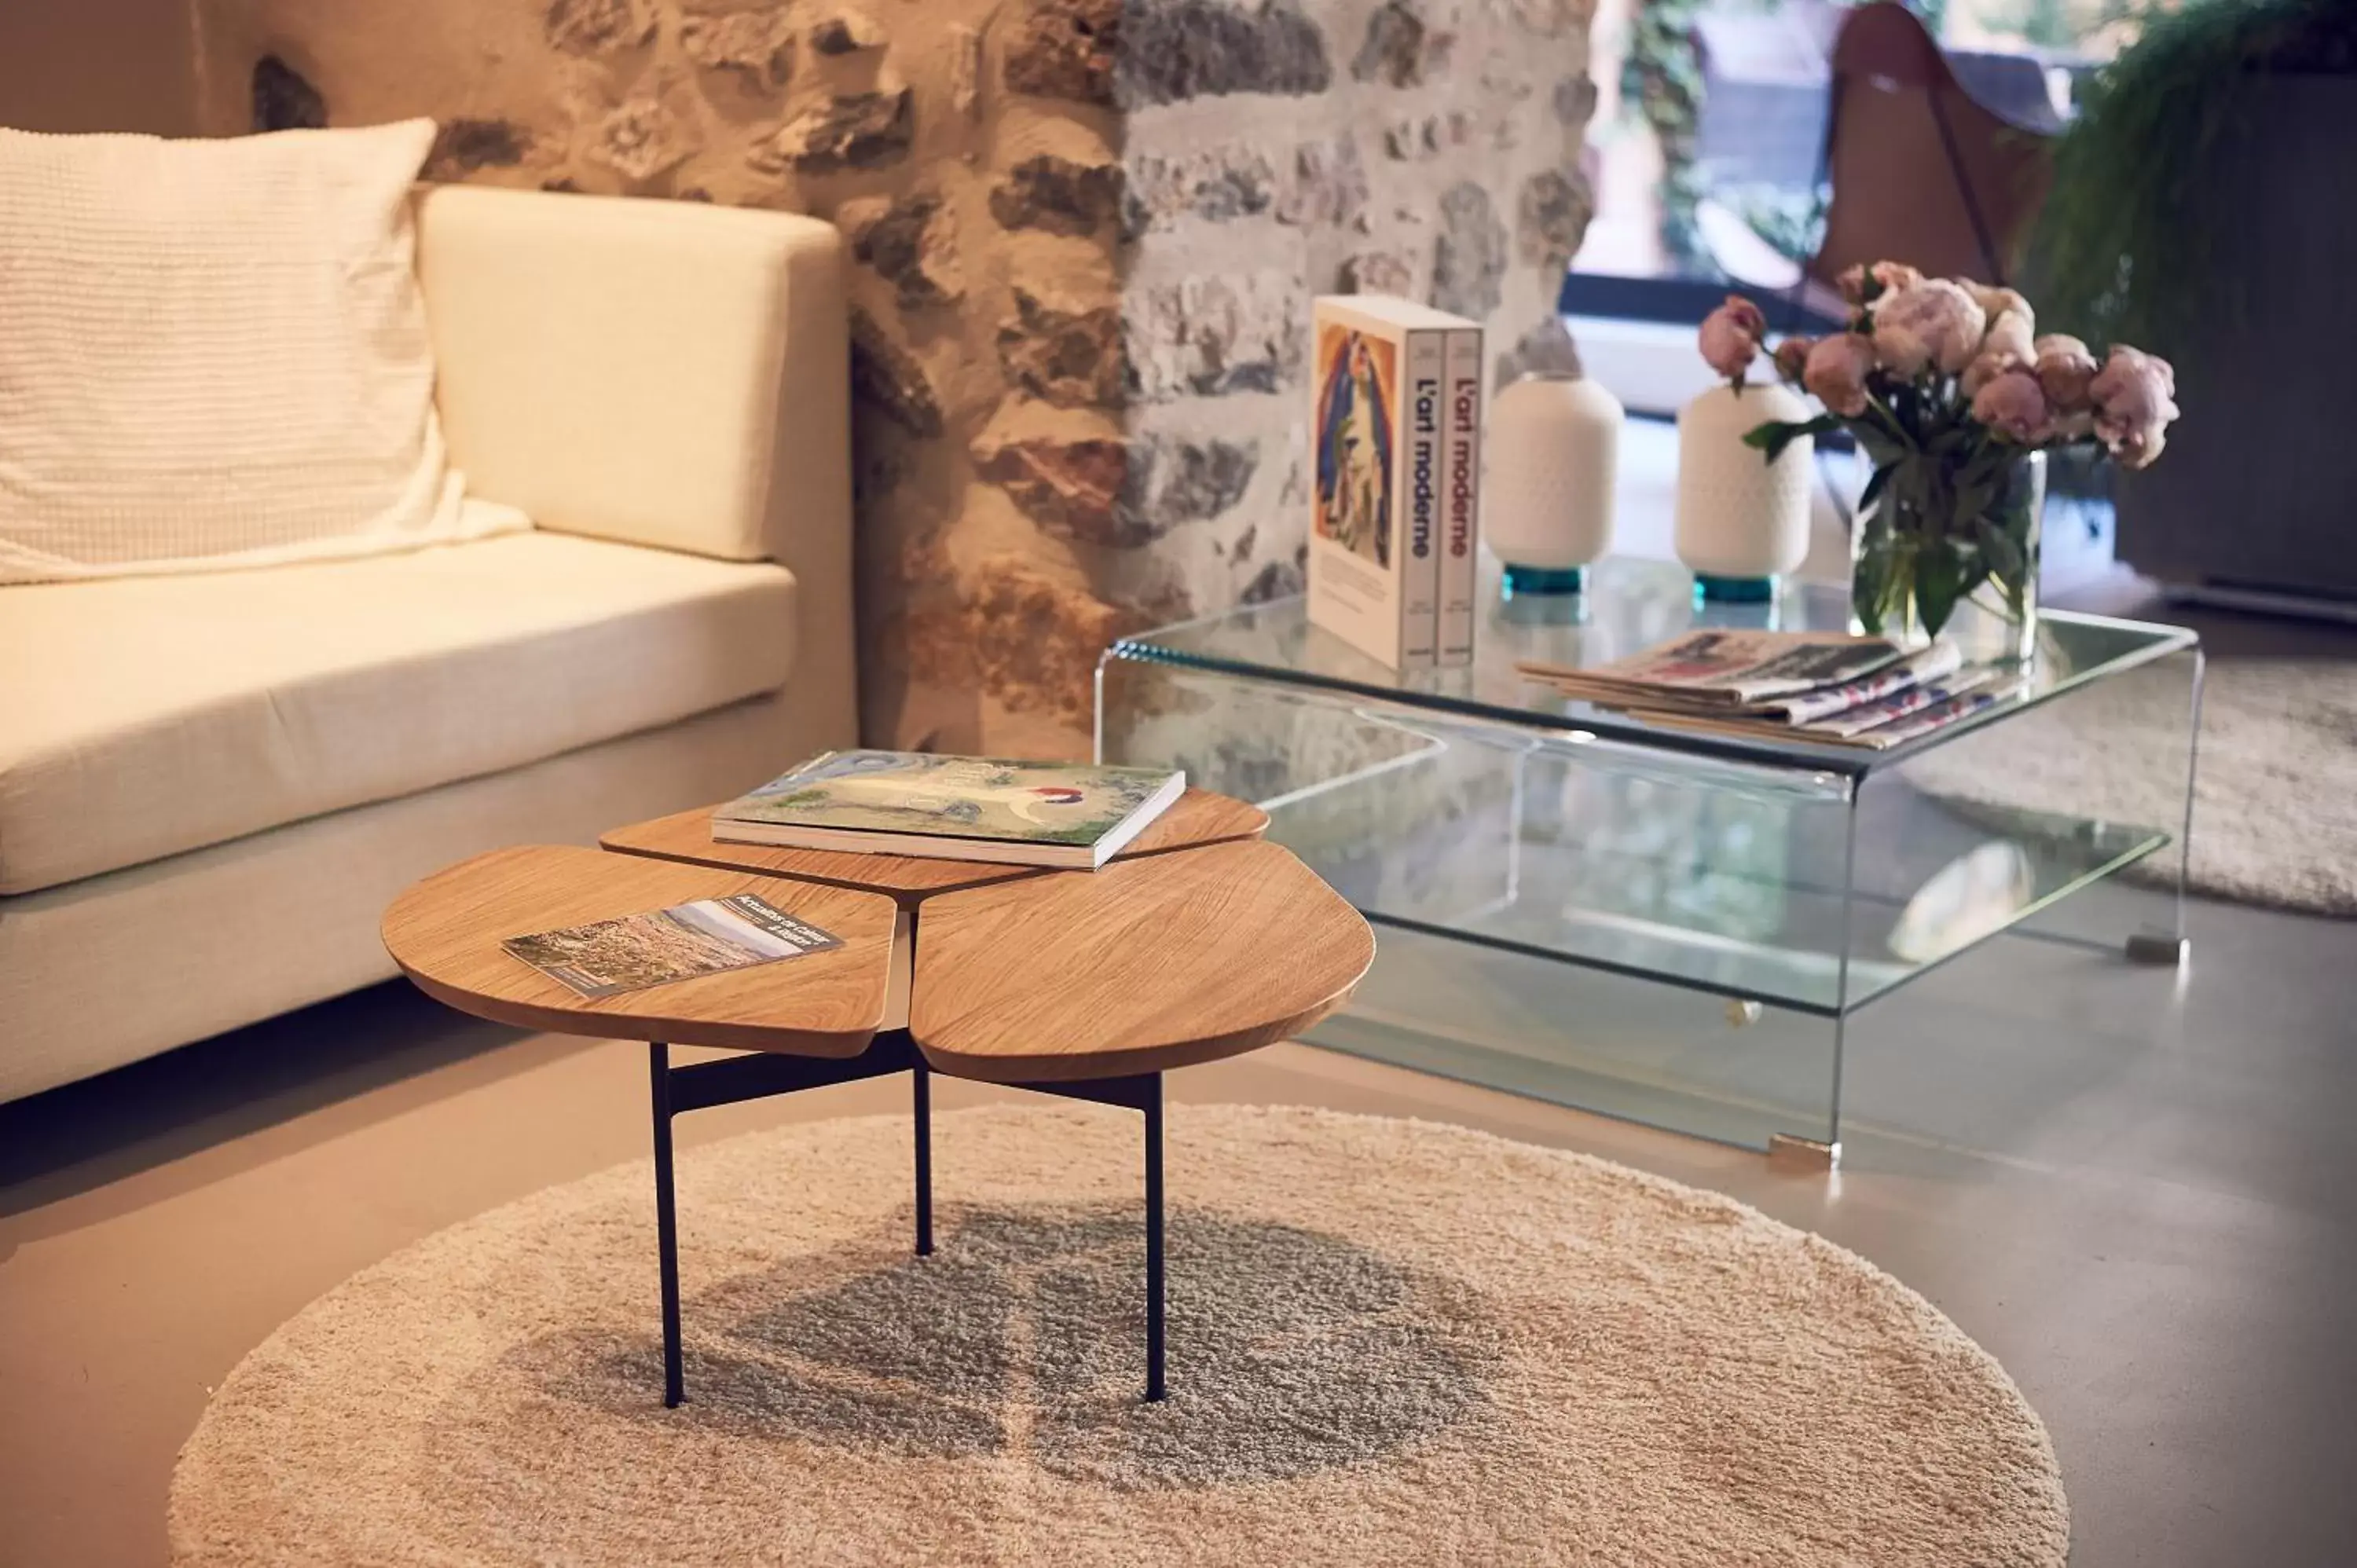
[665,373]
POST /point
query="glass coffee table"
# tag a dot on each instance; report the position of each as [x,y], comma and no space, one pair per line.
[1657,923]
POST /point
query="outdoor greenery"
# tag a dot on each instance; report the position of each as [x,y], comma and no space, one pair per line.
[1660,79]
[2123,250]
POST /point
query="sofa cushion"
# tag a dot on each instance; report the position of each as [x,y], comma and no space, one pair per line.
[142,717]
[216,355]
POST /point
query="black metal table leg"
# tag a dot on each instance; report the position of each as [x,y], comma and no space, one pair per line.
[756,1075]
[666,1225]
[1153,1109]
[924,1096]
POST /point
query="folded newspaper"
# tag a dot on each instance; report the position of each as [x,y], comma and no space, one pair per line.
[1824,687]
[1726,671]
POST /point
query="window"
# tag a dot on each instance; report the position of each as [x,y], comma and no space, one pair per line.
[1705,149]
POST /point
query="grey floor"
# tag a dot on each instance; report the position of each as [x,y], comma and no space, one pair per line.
[2138,1191]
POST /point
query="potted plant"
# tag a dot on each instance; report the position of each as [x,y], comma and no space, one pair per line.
[1948,390]
[2194,209]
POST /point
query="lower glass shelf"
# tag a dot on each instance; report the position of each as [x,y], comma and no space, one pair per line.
[1674,938]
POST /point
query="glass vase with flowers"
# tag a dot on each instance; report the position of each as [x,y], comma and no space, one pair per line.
[1954,400]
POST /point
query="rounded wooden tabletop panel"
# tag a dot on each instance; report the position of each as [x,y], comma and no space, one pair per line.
[1147,964]
[446,932]
[1196,817]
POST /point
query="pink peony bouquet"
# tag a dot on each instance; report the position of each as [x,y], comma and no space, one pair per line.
[1948,389]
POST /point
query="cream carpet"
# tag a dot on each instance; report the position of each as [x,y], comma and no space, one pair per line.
[2275,812]
[1391,1342]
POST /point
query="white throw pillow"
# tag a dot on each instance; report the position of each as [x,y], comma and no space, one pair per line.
[214,354]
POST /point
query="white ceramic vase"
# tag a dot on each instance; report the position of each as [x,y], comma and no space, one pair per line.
[1555,452]
[1742,522]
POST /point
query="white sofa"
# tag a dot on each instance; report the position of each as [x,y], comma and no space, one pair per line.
[210,785]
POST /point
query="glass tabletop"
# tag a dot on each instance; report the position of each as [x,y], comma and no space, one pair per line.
[1629,604]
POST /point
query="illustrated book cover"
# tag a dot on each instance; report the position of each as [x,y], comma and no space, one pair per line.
[1061,814]
[1377,378]
[685,942]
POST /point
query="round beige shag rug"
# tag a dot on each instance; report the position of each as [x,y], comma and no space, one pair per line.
[1391,1342]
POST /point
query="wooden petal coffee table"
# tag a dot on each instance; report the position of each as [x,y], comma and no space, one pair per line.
[1199,942]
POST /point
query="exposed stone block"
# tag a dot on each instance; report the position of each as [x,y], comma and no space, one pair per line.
[1070,489]
[758,46]
[1070,358]
[642,138]
[283,99]
[1378,272]
[1217,183]
[1469,261]
[1431,136]
[1172,50]
[1399,50]
[856,129]
[461,147]
[844,32]
[1545,349]
[889,379]
[1277,580]
[599,27]
[1574,99]
[1058,194]
[1065,48]
[1214,334]
[1173,481]
[1550,18]
[1028,639]
[965,69]
[1552,217]
[1329,186]
[912,246]
[1116,494]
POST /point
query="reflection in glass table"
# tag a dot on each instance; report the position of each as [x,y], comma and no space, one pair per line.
[1581,905]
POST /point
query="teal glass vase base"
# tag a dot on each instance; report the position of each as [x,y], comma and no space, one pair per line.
[1713,589]
[1520,581]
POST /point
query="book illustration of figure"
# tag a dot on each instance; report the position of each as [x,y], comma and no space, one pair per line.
[1354,443]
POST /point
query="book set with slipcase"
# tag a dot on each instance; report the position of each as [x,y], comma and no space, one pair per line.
[1396,508]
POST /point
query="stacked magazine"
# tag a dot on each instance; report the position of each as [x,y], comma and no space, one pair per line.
[1825,687]
[1007,812]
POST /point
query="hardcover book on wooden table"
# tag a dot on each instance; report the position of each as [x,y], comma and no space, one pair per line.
[1061,814]
[1379,376]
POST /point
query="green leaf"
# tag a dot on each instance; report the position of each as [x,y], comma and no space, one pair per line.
[1873,491]
[1776,434]
[1939,583]
[2003,552]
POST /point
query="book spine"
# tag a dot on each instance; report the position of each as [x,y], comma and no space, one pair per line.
[1423,482]
[1460,552]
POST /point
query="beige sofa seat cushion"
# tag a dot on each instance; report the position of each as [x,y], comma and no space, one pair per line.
[140,717]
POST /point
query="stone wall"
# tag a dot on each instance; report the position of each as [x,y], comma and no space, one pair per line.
[1086,234]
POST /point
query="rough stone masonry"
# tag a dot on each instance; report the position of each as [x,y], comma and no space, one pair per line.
[1085,233]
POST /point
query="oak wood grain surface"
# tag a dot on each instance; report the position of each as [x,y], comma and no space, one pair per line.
[1198,817]
[446,931]
[1147,964]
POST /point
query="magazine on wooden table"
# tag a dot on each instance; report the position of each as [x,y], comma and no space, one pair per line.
[1061,814]
[708,936]
[1727,670]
